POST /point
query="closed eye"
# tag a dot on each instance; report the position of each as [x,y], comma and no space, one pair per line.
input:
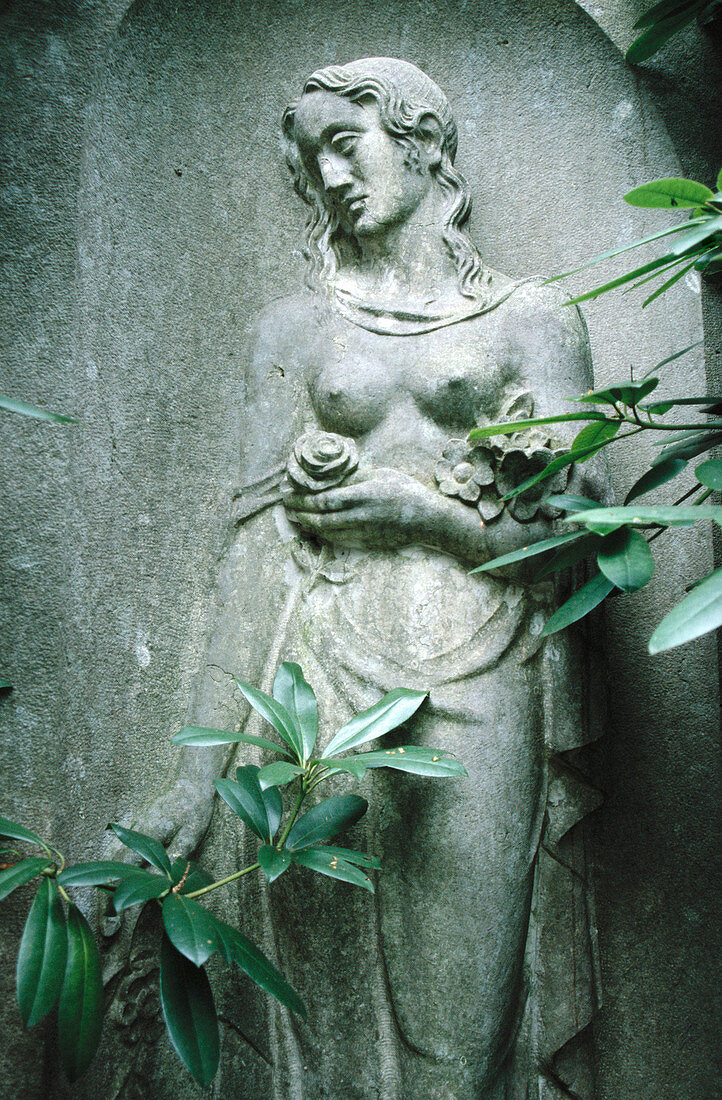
[344,143]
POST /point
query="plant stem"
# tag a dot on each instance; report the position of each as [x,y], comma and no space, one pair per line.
[222,881]
[294,813]
[62,893]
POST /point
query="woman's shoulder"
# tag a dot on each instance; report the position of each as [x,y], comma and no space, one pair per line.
[285,322]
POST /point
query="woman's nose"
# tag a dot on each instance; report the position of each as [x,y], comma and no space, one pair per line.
[335,172]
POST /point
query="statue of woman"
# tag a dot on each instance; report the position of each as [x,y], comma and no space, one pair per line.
[403,342]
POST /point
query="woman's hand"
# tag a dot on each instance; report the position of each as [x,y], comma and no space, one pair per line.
[382,508]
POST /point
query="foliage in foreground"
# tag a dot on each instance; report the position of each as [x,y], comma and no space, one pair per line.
[58,961]
[666,19]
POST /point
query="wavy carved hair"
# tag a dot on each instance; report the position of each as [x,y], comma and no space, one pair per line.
[403,95]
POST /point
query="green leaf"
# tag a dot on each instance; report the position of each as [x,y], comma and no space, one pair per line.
[200,736]
[24,409]
[417,761]
[569,502]
[719,180]
[245,797]
[629,277]
[695,443]
[669,193]
[333,867]
[146,846]
[555,465]
[278,774]
[274,809]
[662,407]
[529,551]
[695,236]
[671,358]
[580,604]
[626,560]
[698,613]
[629,393]
[509,426]
[348,765]
[80,1014]
[96,874]
[670,515]
[570,555]
[392,710]
[276,715]
[359,858]
[597,432]
[190,928]
[139,888]
[189,1012]
[292,692]
[655,37]
[196,878]
[710,474]
[19,832]
[654,477]
[239,950]
[666,9]
[273,863]
[626,248]
[20,873]
[327,819]
[41,959]
[668,283]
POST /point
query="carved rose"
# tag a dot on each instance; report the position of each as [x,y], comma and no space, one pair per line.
[320,460]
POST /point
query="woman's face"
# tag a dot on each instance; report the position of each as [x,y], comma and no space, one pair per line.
[368,178]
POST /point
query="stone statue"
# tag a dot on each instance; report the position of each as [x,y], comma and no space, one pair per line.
[361,513]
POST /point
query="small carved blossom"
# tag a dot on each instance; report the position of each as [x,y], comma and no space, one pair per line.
[319,460]
[463,471]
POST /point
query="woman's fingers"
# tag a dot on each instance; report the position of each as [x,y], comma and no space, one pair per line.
[330,500]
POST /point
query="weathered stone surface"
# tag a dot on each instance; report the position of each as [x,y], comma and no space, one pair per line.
[146,178]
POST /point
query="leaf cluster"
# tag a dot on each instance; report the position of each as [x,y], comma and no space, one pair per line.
[616,541]
[664,20]
[58,962]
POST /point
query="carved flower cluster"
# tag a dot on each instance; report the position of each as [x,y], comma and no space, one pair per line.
[319,460]
[482,473]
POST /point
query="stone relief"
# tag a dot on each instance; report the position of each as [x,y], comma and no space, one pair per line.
[362,509]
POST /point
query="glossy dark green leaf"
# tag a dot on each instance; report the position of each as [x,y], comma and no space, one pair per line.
[19,832]
[669,193]
[698,613]
[201,736]
[661,407]
[626,560]
[24,409]
[146,846]
[580,604]
[274,809]
[96,874]
[245,797]
[568,502]
[668,283]
[333,867]
[628,393]
[80,1013]
[417,761]
[20,873]
[685,243]
[138,888]
[654,477]
[711,262]
[326,820]
[570,555]
[189,1013]
[348,765]
[597,432]
[359,858]
[629,277]
[239,950]
[190,928]
[291,690]
[710,474]
[278,774]
[654,37]
[670,515]
[697,443]
[529,551]
[193,876]
[510,426]
[392,710]
[276,715]
[273,863]
[41,959]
